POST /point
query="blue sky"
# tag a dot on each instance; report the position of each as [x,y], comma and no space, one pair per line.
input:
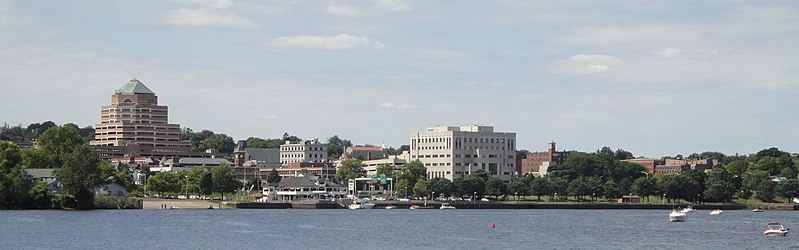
[655,78]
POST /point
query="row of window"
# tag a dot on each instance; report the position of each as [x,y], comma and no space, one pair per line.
[302,148]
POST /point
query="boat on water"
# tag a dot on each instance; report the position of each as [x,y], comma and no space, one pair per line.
[414,207]
[775,229]
[390,207]
[688,209]
[677,216]
[359,204]
[716,211]
[757,210]
[446,206]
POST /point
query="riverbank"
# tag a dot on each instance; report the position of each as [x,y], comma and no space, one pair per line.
[521,205]
[157,203]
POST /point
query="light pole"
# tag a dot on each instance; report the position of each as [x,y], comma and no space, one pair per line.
[406,192]
[516,197]
[556,197]
[592,197]
[474,197]
[433,196]
[664,199]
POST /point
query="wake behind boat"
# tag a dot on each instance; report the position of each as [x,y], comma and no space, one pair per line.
[446,206]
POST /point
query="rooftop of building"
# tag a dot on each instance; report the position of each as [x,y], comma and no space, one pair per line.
[134,86]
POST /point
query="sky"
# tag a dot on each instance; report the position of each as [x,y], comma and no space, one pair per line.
[655,78]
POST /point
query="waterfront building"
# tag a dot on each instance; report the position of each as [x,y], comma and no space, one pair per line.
[303,187]
[538,163]
[293,169]
[135,124]
[177,164]
[450,151]
[307,151]
[249,162]
[394,161]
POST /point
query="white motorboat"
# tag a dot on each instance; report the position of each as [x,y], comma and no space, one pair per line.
[757,210]
[390,207]
[716,211]
[677,216]
[688,209]
[775,229]
[414,207]
[358,204]
[446,206]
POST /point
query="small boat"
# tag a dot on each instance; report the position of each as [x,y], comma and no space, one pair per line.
[775,229]
[757,210]
[414,207]
[358,204]
[688,209]
[390,207]
[446,206]
[716,211]
[677,216]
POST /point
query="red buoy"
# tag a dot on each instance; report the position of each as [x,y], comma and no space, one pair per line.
[492,225]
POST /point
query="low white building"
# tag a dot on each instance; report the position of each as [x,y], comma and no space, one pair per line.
[303,187]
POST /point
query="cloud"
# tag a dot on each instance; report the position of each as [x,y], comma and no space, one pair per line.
[218,4]
[587,64]
[390,105]
[668,53]
[205,18]
[394,5]
[337,42]
[344,10]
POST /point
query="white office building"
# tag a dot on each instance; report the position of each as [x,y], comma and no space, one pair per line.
[306,151]
[449,151]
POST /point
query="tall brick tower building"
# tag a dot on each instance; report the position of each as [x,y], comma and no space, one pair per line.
[134,119]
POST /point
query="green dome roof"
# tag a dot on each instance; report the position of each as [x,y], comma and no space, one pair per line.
[134,86]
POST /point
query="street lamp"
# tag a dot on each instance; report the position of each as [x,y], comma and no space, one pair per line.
[556,197]
[592,197]
[433,196]
[516,197]
[474,197]
[664,199]
[406,192]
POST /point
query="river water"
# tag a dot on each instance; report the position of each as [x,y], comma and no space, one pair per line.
[390,229]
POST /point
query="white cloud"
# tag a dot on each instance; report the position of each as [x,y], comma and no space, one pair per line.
[668,53]
[340,41]
[394,5]
[390,105]
[344,10]
[587,64]
[218,4]
[205,18]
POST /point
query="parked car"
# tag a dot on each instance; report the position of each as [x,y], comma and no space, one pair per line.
[404,199]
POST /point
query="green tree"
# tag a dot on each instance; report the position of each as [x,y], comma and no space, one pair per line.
[224,179]
[412,172]
[578,188]
[441,186]
[788,188]
[611,190]
[349,169]
[402,188]
[385,169]
[420,189]
[521,186]
[539,187]
[335,147]
[273,177]
[56,143]
[79,175]
[753,182]
[495,187]
[219,142]
[644,187]
[195,180]
[163,182]
[718,185]
[558,186]
[15,183]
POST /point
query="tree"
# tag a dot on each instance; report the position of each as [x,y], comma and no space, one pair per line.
[196,176]
[412,172]
[14,181]
[558,186]
[759,183]
[788,188]
[219,142]
[621,154]
[79,175]
[578,188]
[644,187]
[522,186]
[273,177]
[611,190]
[163,182]
[335,147]
[718,185]
[495,187]
[55,144]
[441,186]
[349,169]
[224,179]
[420,189]
[385,169]
[539,187]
